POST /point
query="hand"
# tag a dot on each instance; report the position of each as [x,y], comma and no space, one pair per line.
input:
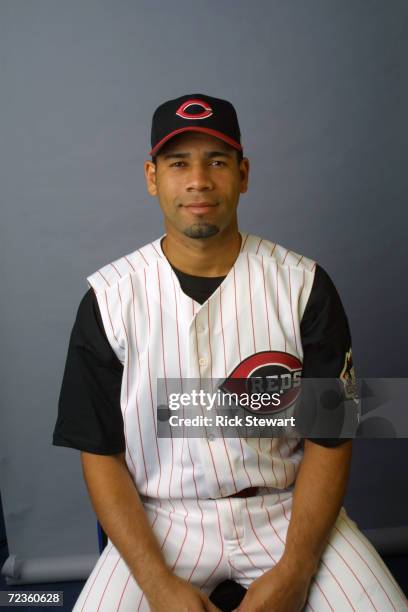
[177,595]
[277,590]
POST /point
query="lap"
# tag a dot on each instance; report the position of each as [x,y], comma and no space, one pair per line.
[207,541]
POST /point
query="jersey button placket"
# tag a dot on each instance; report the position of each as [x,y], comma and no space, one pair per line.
[198,371]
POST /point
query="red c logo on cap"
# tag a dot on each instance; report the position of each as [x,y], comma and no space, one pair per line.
[207,110]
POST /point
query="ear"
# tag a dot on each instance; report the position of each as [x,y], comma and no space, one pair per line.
[150,176]
[244,174]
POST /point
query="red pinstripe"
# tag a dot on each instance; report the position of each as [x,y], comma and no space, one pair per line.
[283,507]
[331,573]
[314,580]
[291,311]
[243,463]
[167,398]
[363,543]
[290,449]
[222,548]
[209,344]
[263,505]
[284,465]
[151,527]
[250,301]
[284,541]
[273,250]
[172,511]
[212,388]
[243,244]
[150,385]
[239,571]
[272,465]
[130,263]
[300,293]
[164,371]
[223,339]
[173,567]
[259,465]
[181,382]
[155,249]
[143,257]
[341,588]
[238,540]
[188,441]
[202,543]
[116,270]
[107,584]
[109,315]
[259,244]
[256,535]
[208,444]
[225,370]
[97,574]
[137,389]
[236,315]
[365,563]
[128,361]
[286,254]
[266,304]
[299,260]
[123,592]
[105,279]
[354,574]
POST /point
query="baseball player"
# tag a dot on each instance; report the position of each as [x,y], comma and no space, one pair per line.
[206,301]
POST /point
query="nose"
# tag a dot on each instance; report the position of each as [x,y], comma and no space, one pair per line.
[199,178]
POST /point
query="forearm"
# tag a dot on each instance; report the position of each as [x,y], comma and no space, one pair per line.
[120,511]
[319,490]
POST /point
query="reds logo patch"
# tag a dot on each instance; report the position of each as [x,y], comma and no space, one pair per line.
[185,109]
[267,372]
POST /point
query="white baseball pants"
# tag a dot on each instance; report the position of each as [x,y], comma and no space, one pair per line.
[208,541]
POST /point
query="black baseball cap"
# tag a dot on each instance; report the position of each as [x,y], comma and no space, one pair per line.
[195,113]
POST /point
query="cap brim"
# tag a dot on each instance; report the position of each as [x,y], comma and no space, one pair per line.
[194,128]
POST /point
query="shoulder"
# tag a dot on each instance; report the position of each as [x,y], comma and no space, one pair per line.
[281,255]
[115,272]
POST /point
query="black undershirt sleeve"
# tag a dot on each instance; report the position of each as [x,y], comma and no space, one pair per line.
[89,413]
[325,334]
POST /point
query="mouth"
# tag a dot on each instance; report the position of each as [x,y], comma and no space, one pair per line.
[200,208]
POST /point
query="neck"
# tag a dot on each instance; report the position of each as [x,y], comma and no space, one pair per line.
[212,256]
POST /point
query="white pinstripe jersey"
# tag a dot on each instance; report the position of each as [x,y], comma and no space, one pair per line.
[157,331]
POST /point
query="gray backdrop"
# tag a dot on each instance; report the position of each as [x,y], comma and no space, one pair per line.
[321,93]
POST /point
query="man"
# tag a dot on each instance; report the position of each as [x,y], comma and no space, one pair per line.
[202,302]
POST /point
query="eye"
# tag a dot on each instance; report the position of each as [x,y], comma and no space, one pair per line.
[218,162]
[177,164]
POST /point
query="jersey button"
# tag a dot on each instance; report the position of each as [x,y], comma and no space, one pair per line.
[202,361]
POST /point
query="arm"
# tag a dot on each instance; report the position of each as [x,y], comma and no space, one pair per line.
[120,511]
[319,491]
[318,494]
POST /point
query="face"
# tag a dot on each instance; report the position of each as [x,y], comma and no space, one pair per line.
[198,181]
